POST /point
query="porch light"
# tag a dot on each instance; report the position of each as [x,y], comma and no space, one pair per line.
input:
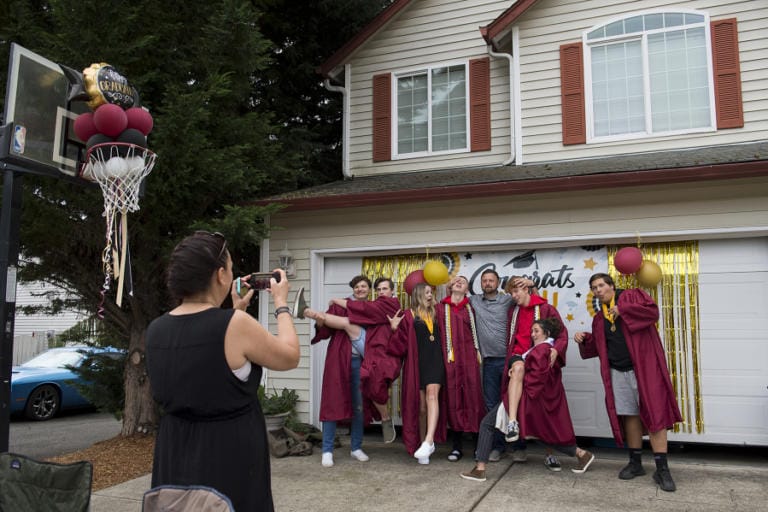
[286,263]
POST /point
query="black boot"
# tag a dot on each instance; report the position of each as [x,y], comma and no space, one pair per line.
[635,466]
[662,476]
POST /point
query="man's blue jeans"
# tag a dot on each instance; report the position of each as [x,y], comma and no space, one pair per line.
[356,431]
[493,370]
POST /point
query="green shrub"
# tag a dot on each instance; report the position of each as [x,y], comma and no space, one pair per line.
[275,403]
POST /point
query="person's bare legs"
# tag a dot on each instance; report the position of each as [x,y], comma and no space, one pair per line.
[433,411]
[383,410]
[659,441]
[422,414]
[334,322]
[515,388]
[633,432]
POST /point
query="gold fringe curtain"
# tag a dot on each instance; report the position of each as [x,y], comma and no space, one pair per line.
[678,298]
[396,268]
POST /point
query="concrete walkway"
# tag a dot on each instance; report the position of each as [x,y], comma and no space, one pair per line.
[719,479]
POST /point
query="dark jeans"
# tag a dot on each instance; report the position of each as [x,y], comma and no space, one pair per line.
[493,371]
[488,431]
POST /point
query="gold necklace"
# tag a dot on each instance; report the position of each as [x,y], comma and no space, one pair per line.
[608,316]
[430,326]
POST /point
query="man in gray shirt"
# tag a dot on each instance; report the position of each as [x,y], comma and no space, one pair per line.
[491,309]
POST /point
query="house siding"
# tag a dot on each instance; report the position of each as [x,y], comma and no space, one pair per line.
[551,23]
[427,33]
[717,209]
[29,294]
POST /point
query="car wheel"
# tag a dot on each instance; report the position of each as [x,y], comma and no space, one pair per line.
[43,403]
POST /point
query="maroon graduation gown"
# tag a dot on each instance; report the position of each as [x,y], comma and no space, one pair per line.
[463,388]
[379,369]
[658,405]
[561,341]
[403,345]
[543,409]
[336,396]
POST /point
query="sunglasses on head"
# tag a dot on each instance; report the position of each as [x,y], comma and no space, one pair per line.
[217,235]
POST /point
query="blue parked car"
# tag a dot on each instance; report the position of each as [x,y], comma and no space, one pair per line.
[41,387]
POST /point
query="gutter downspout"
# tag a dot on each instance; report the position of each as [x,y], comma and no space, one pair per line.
[344,119]
[512,131]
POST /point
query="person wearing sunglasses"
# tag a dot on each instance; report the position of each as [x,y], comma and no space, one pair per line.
[205,365]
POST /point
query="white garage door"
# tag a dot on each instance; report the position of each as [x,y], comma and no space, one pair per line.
[733,299]
[733,283]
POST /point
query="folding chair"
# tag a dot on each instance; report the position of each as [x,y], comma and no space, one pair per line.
[178,498]
[28,484]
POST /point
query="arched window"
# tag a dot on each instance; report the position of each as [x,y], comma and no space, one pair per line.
[649,74]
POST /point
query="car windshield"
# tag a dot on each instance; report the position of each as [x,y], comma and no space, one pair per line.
[55,359]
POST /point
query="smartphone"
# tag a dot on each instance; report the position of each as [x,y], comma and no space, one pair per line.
[256,281]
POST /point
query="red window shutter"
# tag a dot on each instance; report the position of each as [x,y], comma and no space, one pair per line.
[480,104]
[727,73]
[572,94]
[382,117]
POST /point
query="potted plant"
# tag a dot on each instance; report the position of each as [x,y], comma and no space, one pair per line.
[277,407]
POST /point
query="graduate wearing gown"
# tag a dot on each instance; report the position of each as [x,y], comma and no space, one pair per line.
[625,338]
[461,356]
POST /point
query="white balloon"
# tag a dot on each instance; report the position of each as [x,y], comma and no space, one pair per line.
[134,164]
[116,167]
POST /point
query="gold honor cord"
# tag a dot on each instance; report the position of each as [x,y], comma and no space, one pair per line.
[607,314]
[678,298]
[449,334]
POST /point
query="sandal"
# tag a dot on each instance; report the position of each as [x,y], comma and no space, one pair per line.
[455,455]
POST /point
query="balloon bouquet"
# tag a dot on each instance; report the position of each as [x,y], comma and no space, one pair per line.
[115,136]
[629,260]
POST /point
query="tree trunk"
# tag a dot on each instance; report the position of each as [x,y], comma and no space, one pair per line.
[140,414]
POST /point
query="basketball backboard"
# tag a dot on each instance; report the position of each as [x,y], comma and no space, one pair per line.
[37,134]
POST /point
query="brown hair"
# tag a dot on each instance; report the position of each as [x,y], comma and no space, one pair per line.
[551,326]
[357,279]
[605,277]
[193,262]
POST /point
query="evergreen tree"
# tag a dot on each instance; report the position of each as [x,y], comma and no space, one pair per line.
[239,113]
[194,67]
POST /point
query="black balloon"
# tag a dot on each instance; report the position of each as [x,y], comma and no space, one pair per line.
[77,90]
[98,138]
[132,136]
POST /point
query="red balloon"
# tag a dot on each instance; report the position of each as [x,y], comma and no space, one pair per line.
[412,279]
[140,119]
[84,127]
[628,260]
[110,120]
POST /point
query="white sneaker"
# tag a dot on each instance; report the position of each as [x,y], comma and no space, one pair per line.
[423,460]
[425,450]
[327,459]
[359,455]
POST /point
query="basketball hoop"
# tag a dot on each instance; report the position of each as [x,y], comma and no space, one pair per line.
[118,168]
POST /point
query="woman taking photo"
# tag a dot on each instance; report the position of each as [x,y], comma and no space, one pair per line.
[417,341]
[205,366]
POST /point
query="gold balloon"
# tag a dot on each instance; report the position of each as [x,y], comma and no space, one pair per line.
[104,84]
[91,78]
[435,272]
[649,274]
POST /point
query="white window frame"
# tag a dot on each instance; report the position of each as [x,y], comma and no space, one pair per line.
[394,125]
[643,37]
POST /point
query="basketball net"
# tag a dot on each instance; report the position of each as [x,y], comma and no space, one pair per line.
[118,168]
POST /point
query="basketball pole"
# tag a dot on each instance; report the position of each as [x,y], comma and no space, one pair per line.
[10,222]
